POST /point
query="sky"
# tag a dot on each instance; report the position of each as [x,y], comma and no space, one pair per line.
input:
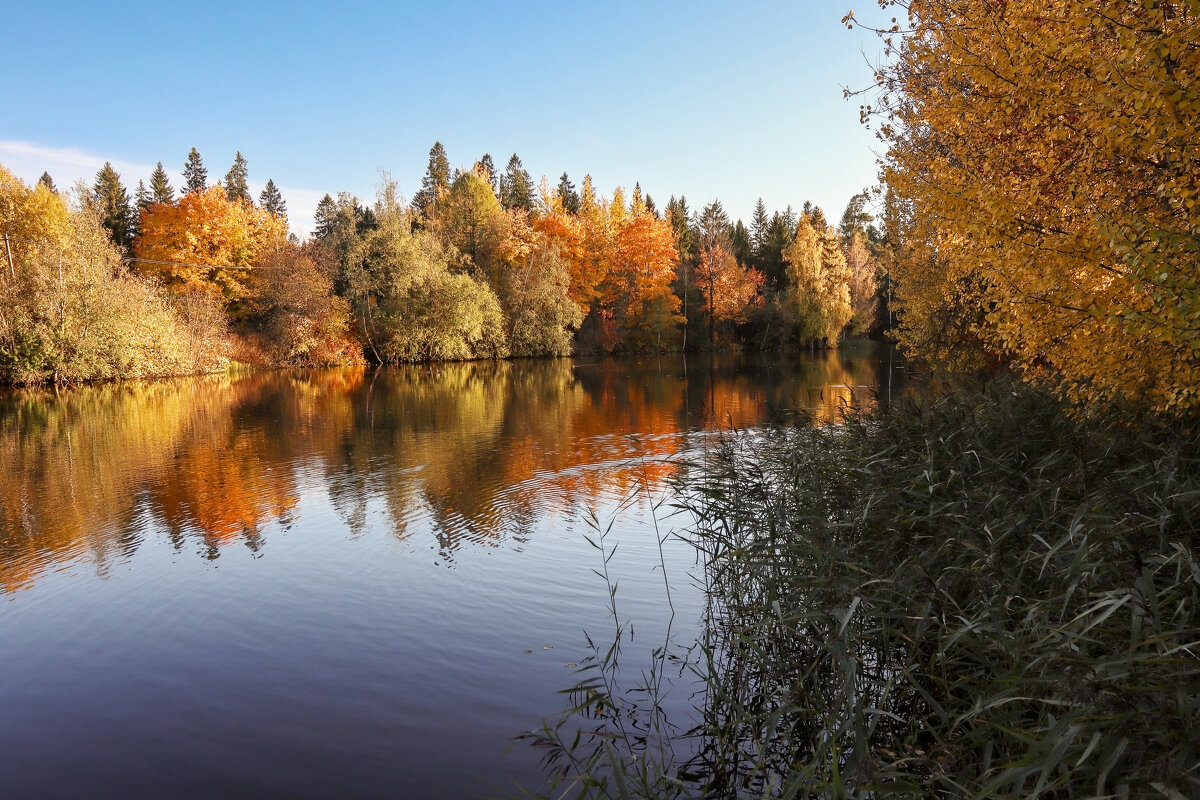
[701,99]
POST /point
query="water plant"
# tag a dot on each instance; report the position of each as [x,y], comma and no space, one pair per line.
[976,595]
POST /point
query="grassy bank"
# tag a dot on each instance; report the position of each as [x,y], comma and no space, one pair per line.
[973,596]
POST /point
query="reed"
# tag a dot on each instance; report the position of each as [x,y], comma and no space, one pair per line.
[975,595]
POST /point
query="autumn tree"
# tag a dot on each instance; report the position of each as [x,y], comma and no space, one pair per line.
[305,322]
[195,176]
[160,185]
[540,313]
[644,261]
[112,203]
[1043,176]
[69,311]
[236,188]
[863,270]
[409,302]
[205,242]
[817,294]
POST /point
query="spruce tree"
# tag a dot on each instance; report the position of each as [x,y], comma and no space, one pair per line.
[142,196]
[272,201]
[436,183]
[235,180]
[516,189]
[758,227]
[195,176]
[568,195]
[160,186]
[112,201]
[489,165]
[48,182]
[325,218]
[739,240]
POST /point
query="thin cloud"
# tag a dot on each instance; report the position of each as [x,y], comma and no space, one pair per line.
[28,160]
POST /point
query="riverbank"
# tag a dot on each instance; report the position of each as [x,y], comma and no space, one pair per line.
[976,594]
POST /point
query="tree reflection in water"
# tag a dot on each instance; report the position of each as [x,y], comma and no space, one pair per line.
[471,452]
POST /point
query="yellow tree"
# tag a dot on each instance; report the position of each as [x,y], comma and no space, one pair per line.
[1045,187]
[205,241]
[69,311]
[818,294]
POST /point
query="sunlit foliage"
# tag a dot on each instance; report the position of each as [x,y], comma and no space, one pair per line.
[69,311]
[205,242]
[1045,190]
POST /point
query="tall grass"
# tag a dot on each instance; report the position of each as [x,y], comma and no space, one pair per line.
[972,596]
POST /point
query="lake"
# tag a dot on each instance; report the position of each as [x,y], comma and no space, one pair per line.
[348,583]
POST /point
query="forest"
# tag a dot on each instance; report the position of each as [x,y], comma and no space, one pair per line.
[479,264]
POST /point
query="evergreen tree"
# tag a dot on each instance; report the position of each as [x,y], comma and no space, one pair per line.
[651,209]
[780,234]
[758,227]
[568,195]
[143,196]
[815,217]
[325,218]
[195,176]
[712,236]
[48,182]
[637,206]
[856,219]
[112,201]
[516,189]
[490,166]
[436,183]
[739,241]
[160,186]
[235,180]
[272,201]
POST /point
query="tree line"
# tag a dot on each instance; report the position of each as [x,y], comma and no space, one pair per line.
[480,264]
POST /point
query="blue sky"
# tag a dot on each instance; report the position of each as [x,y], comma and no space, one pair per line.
[707,100]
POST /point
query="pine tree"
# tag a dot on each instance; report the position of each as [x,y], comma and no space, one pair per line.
[195,176]
[516,189]
[160,186]
[112,201]
[325,218]
[568,195]
[637,206]
[486,163]
[436,183]
[235,180]
[48,182]
[739,241]
[142,196]
[272,201]
[758,227]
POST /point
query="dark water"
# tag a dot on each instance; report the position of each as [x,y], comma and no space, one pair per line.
[343,583]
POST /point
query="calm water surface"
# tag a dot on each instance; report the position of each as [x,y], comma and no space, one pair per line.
[344,583]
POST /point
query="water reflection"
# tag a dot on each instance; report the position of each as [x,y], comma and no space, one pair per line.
[471,453]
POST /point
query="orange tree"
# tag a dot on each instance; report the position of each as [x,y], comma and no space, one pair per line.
[205,241]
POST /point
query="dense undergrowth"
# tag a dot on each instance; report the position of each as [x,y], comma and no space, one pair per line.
[977,595]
